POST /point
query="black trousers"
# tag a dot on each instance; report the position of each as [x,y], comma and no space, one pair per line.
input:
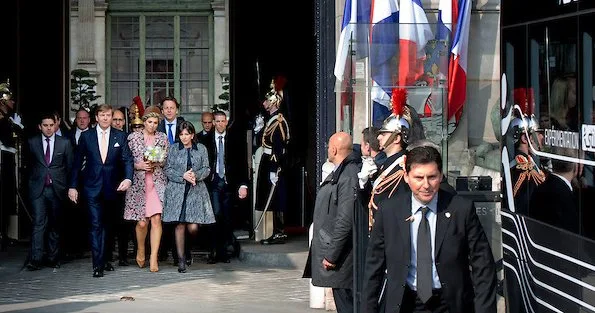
[47,217]
[412,303]
[221,200]
[116,228]
[343,300]
[7,193]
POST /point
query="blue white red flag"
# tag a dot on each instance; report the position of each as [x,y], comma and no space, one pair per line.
[457,73]
[414,34]
[384,38]
[348,33]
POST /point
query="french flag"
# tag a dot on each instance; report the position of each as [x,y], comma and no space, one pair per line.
[457,72]
[348,32]
[415,33]
[384,38]
[446,10]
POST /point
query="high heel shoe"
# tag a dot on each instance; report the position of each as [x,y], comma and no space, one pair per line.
[140,259]
[182,266]
[153,264]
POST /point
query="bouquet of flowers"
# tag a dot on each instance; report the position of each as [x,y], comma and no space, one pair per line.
[155,154]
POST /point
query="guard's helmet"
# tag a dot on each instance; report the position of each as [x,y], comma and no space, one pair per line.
[275,95]
[5,93]
[399,122]
[525,121]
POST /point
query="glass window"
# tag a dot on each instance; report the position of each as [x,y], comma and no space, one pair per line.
[159,64]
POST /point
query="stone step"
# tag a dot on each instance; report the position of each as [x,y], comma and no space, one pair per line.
[292,254]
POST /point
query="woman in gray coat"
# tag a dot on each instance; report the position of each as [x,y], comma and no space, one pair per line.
[187,200]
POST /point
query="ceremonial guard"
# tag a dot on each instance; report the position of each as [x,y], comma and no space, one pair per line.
[398,130]
[526,174]
[10,130]
[271,185]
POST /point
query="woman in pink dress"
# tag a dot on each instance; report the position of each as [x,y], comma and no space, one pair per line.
[144,199]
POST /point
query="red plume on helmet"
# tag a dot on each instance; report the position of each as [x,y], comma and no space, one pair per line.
[279,82]
[520,99]
[139,105]
[398,101]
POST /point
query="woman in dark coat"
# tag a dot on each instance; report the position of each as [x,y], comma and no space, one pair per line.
[187,200]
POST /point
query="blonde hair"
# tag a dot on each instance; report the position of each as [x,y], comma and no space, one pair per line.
[559,99]
[149,115]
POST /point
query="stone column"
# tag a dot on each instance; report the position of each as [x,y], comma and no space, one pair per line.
[221,45]
[86,32]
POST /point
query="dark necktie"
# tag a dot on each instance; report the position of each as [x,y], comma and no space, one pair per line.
[48,179]
[220,156]
[170,135]
[424,258]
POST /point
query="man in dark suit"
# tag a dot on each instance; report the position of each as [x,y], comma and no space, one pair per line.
[554,202]
[106,151]
[75,235]
[229,174]
[431,246]
[207,127]
[169,126]
[50,159]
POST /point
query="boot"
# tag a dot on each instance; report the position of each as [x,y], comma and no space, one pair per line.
[181,265]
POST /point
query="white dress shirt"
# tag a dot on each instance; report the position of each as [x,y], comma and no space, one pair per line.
[99,134]
[431,216]
[77,134]
[45,145]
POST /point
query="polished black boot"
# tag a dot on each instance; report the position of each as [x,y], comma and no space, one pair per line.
[278,238]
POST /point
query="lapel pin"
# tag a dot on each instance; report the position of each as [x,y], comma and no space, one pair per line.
[447,214]
[410,219]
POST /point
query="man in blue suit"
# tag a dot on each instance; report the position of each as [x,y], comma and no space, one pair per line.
[106,151]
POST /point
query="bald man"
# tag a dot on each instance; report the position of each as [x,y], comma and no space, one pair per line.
[206,120]
[331,250]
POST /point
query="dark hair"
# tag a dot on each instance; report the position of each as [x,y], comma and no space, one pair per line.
[47,115]
[370,135]
[188,126]
[423,155]
[219,113]
[170,99]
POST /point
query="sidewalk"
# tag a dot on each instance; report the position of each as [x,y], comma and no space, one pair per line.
[266,279]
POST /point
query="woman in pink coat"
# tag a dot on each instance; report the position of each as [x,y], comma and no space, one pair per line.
[144,199]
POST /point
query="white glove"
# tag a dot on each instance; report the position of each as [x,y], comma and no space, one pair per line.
[16,119]
[368,169]
[274,178]
[259,123]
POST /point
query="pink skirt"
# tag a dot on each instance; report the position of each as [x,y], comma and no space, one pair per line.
[153,205]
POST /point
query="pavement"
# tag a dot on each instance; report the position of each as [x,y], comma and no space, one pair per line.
[263,279]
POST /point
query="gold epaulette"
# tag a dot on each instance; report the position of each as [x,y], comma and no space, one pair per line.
[528,172]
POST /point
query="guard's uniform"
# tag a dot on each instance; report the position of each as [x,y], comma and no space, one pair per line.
[526,176]
[388,184]
[275,139]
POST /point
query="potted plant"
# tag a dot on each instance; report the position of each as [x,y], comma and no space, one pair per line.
[82,90]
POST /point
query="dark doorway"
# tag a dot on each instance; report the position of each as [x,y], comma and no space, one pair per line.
[279,36]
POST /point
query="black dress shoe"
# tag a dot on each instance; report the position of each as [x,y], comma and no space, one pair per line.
[108,267]
[189,261]
[224,260]
[123,263]
[211,258]
[278,238]
[97,273]
[54,264]
[33,266]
